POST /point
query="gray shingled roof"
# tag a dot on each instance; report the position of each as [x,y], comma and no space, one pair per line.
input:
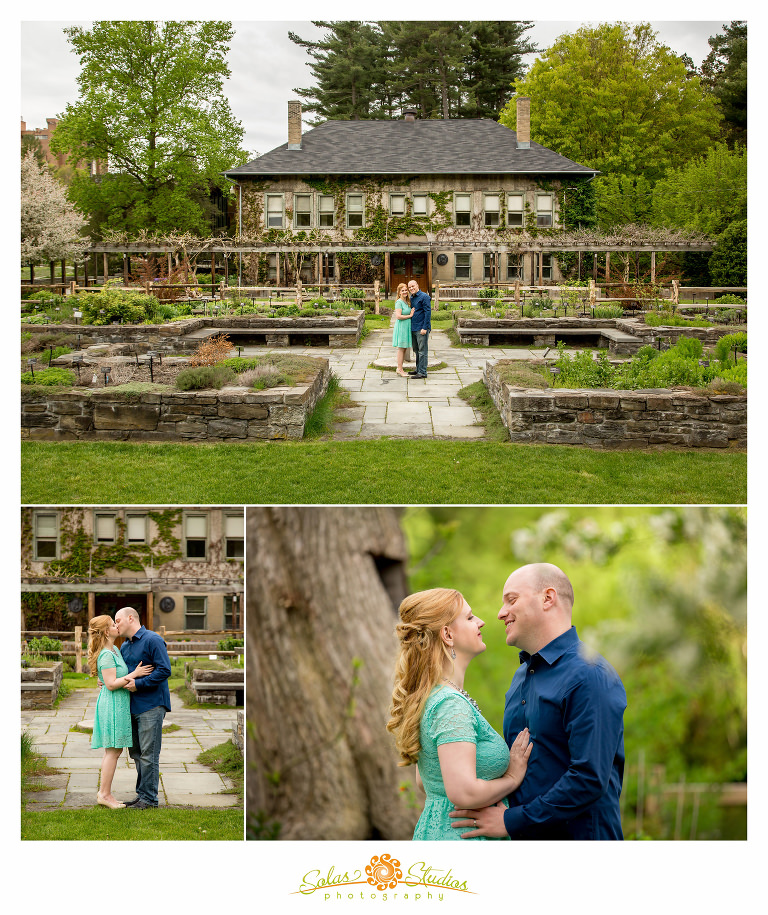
[478,146]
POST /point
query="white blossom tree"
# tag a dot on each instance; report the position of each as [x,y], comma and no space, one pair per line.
[50,224]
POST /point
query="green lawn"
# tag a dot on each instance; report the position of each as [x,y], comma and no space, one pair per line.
[363,472]
[168,823]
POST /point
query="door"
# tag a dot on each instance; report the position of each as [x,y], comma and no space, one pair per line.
[406,267]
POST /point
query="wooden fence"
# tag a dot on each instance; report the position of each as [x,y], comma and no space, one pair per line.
[76,636]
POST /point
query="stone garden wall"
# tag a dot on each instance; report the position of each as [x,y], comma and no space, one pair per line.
[40,685]
[619,419]
[182,337]
[231,414]
[221,687]
[238,732]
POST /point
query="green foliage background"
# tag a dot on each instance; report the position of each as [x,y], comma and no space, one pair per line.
[660,592]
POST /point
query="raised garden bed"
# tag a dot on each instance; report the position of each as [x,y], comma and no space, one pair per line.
[611,419]
[184,336]
[40,685]
[230,414]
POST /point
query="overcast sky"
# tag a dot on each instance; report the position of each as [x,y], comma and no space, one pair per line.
[266,67]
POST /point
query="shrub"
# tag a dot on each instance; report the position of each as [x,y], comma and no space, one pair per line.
[230,644]
[667,319]
[582,371]
[44,643]
[690,347]
[489,293]
[319,302]
[204,376]
[726,345]
[117,305]
[262,376]
[51,376]
[211,351]
[607,311]
[729,299]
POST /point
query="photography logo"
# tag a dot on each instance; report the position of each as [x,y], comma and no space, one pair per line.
[383,878]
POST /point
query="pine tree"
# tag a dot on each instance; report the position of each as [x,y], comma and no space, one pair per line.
[493,65]
[724,72]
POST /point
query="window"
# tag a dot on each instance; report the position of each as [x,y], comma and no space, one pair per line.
[136,528]
[463,266]
[302,210]
[233,536]
[328,266]
[514,266]
[326,209]
[272,267]
[515,209]
[195,612]
[492,208]
[420,205]
[463,209]
[233,620]
[397,204]
[355,211]
[274,211]
[544,210]
[546,267]
[46,528]
[104,527]
[196,536]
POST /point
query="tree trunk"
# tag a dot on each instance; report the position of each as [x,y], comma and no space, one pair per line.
[324,585]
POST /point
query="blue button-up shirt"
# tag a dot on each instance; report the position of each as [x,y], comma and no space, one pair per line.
[573,705]
[147,647]
[422,312]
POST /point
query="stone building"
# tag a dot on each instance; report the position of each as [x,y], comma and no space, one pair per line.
[434,200]
[181,568]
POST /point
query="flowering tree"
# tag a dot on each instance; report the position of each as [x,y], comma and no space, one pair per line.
[50,225]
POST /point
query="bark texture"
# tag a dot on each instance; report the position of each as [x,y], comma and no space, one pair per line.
[323,586]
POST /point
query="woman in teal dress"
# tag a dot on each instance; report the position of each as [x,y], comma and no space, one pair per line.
[112,719]
[401,336]
[461,760]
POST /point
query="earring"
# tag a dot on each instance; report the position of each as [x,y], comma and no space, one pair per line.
[453,653]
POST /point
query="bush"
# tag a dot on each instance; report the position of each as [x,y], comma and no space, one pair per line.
[51,376]
[726,345]
[488,293]
[582,371]
[690,347]
[211,351]
[44,643]
[607,311]
[201,377]
[729,299]
[117,305]
[230,644]
[262,376]
[667,319]
[728,262]
[319,302]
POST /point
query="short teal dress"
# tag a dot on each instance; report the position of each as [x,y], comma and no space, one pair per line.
[112,722]
[450,718]
[401,335]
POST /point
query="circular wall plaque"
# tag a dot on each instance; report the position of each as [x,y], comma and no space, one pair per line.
[442,259]
[167,604]
[376,260]
[75,605]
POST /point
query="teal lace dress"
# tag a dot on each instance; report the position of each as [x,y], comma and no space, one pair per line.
[450,718]
[112,721]
[401,334]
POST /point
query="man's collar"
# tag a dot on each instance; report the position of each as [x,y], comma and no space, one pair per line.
[555,649]
[137,635]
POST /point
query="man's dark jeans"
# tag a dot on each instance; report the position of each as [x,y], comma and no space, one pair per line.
[147,736]
[420,347]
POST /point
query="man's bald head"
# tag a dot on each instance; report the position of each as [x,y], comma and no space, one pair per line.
[536,606]
[543,575]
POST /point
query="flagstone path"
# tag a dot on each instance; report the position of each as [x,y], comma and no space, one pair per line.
[183,780]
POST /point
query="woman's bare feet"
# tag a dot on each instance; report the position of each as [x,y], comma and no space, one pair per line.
[108,801]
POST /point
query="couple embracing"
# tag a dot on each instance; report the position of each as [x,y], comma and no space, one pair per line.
[557,772]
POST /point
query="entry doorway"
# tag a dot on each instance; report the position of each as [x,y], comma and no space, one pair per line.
[406,267]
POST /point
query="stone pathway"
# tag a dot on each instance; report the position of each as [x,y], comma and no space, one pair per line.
[183,781]
[388,406]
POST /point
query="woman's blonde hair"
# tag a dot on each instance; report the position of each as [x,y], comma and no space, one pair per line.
[98,636]
[420,662]
[407,296]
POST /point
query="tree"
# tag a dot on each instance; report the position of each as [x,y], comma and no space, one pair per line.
[151,105]
[50,225]
[348,63]
[30,143]
[724,72]
[441,68]
[323,588]
[613,98]
[728,263]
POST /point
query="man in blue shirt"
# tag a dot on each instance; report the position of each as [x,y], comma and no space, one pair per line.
[421,324]
[572,701]
[150,700]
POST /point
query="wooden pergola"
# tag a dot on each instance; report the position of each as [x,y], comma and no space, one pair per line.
[216,248]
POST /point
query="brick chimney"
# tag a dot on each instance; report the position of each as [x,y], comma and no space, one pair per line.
[409,115]
[294,125]
[523,123]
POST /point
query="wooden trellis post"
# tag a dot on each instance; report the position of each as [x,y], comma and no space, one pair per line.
[78,649]
[376,296]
